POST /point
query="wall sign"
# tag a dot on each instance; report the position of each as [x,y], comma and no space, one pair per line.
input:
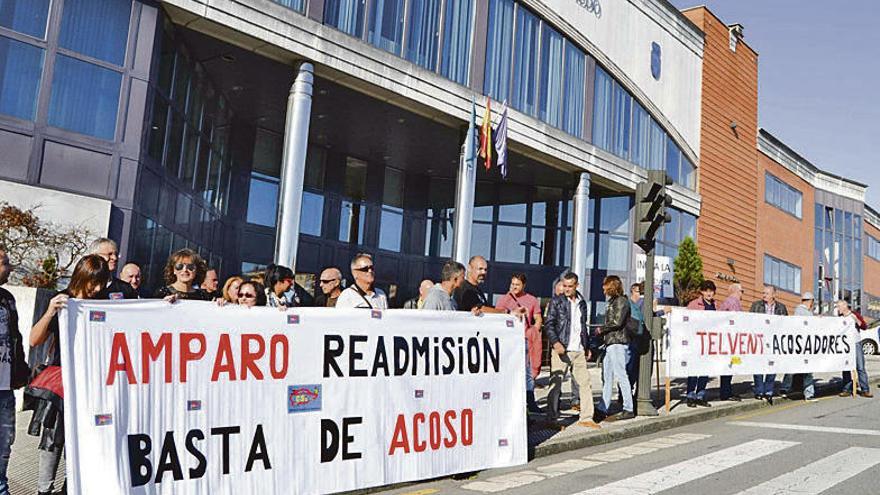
[655,60]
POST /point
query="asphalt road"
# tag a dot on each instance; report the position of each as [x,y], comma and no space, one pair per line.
[831,446]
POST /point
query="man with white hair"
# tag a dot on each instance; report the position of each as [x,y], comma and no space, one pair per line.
[116,289]
[362,293]
[804,309]
[733,302]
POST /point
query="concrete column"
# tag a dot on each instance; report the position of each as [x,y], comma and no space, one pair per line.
[293,166]
[580,234]
[464,207]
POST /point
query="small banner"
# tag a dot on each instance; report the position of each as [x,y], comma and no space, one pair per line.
[192,398]
[715,343]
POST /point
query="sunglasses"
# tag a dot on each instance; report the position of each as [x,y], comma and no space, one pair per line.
[189,266]
[325,282]
[247,296]
[365,269]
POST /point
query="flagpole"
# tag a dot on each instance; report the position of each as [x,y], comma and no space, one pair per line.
[464,193]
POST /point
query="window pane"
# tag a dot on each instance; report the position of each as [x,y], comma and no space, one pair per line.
[483,213]
[312,213]
[262,201]
[424,30]
[535,250]
[641,128]
[346,16]
[525,62]
[614,216]
[614,252]
[573,91]
[392,194]
[498,49]
[621,126]
[390,229]
[297,5]
[551,77]
[602,110]
[673,161]
[351,222]
[386,24]
[509,245]
[85,98]
[688,226]
[175,144]
[97,28]
[355,178]
[688,173]
[20,68]
[158,124]
[438,236]
[512,213]
[25,16]
[481,240]
[456,54]
[658,147]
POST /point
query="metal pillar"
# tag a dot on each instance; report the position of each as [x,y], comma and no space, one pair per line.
[580,234]
[644,405]
[464,206]
[293,166]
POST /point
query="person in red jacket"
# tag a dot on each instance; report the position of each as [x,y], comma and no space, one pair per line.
[696,385]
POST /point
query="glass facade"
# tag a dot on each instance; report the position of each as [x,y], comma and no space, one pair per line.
[423,34]
[21,67]
[782,196]
[873,249]
[85,97]
[25,16]
[782,275]
[297,5]
[838,250]
[386,24]
[455,57]
[346,16]
[622,126]
[96,28]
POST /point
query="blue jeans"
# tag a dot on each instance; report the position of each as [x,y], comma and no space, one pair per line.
[726,390]
[614,368]
[809,384]
[530,381]
[696,387]
[7,435]
[763,384]
[860,370]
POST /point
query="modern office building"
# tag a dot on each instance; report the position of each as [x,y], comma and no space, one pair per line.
[176,113]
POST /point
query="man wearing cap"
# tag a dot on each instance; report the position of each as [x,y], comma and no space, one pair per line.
[804,309]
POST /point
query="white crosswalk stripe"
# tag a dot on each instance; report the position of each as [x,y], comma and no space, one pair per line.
[692,469]
[821,475]
[815,429]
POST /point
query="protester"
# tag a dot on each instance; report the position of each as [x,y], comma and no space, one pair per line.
[131,274]
[230,289]
[417,302]
[469,296]
[330,283]
[517,298]
[804,309]
[696,385]
[211,284]
[116,289]
[439,297]
[184,270]
[362,293]
[733,302]
[768,304]
[636,346]
[279,280]
[864,390]
[251,293]
[567,332]
[575,389]
[13,368]
[615,335]
[90,277]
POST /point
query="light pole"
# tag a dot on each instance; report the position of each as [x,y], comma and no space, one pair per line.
[538,246]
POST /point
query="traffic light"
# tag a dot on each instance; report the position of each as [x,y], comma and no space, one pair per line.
[651,202]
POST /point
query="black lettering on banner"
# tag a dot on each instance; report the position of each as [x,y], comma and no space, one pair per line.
[401,348]
[846,344]
[330,354]
[168,459]
[448,343]
[473,357]
[354,355]
[202,466]
[226,432]
[420,349]
[139,467]
[258,451]
[436,356]
[776,349]
[329,440]
[349,439]
[489,356]
[381,358]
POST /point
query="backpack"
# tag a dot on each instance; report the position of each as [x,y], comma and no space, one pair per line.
[634,324]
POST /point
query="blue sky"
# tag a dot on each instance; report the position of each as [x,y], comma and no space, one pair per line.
[819,78]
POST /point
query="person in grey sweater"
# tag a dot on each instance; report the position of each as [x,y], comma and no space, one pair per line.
[440,298]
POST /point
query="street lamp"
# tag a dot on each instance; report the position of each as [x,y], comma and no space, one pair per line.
[538,246]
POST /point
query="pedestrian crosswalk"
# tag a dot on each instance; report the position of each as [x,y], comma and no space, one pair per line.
[814,478]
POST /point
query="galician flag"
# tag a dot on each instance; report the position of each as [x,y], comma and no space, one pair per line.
[470,141]
[501,141]
[486,135]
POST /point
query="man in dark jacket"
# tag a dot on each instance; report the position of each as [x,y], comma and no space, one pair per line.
[116,289]
[13,369]
[566,327]
[770,306]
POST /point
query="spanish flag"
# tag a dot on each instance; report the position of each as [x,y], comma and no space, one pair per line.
[486,135]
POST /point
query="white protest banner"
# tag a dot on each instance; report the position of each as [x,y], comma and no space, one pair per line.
[662,274]
[192,398]
[713,343]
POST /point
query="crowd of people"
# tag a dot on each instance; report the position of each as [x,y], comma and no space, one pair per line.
[573,341]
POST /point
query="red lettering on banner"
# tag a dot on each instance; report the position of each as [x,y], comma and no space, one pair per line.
[152,352]
[738,343]
[120,349]
[440,434]
[248,358]
[224,362]
[273,356]
[186,352]
[702,335]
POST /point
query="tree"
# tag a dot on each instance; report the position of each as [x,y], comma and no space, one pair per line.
[42,252]
[688,271]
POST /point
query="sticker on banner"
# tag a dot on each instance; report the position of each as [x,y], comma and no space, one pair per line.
[293,319]
[502,442]
[487,395]
[103,419]
[686,318]
[419,394]
[98,316]
[303,398]
[736,360]
[732,322]
[193,405]
[509,323]
[115,296]
[377,314]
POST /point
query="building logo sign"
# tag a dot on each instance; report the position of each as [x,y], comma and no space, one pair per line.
[592,6]
[655,60]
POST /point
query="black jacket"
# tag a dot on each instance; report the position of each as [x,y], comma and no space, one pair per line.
[617,313]
[19,368]
[760,306]
[558,323]
[117,289]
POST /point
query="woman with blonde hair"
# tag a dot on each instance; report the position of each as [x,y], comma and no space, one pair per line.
[230,289]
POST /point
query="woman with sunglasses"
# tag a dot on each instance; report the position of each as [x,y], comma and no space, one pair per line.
[184,270]
[279,280]
[230,289]
[362,293]
[90,276]
[251,294]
